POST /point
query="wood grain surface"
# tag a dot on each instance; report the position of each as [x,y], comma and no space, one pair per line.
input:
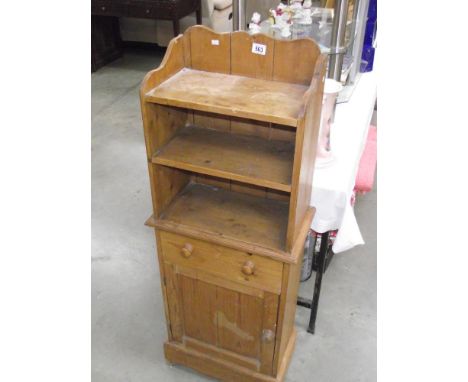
[269,101]
[225,213]
[222,262]
[231,138]
[244,158]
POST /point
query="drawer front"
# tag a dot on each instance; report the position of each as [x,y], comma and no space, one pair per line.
[247,269]
[152,11]
[109,8]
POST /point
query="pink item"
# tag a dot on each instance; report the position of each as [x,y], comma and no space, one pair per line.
[372,135]
[330,93]
[366,172]
[353,198]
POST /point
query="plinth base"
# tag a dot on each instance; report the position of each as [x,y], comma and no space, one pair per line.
[223,370]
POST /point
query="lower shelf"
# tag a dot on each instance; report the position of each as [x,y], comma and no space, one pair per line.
[211,211]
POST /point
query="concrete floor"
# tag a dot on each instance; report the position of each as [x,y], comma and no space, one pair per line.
[128,326]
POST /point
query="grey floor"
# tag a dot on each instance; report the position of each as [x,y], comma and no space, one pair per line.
[128,326]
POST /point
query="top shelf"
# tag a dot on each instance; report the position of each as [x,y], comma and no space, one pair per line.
[238,96]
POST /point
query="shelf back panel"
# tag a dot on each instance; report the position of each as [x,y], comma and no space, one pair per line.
[210,51]
[245,63]
[243,188]
[255,56]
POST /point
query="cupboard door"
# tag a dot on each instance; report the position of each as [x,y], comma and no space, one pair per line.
[224,320]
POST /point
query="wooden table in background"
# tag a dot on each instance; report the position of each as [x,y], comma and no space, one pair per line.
[106,43]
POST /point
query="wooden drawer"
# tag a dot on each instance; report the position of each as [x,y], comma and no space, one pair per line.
[222,262]
[152,11]
[109,8]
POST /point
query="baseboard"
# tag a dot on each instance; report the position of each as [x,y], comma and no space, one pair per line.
[177,353]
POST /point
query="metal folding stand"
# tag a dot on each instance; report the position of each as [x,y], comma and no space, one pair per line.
[322,260]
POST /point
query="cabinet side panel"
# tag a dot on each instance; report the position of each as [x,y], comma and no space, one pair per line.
[304,155]
[174,299]
[173,61]
[304,190]
[163,283]
[166,183]
[161,124]
[287,310]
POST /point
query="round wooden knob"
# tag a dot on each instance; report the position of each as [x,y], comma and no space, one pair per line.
[268,335]
[248,268]
[187,250]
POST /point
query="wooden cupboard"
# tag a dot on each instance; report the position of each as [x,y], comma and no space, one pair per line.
[231,124]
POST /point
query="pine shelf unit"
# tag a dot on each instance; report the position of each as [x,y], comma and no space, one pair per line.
[230,137]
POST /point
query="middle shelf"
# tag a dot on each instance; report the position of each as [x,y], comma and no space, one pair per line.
[249,159]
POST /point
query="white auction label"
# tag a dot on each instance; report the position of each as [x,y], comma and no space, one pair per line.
[259,48]
[214,42]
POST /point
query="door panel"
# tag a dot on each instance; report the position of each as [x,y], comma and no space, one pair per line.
[239,322]
[199,304]
[173,302]
[270,318]
[227,323]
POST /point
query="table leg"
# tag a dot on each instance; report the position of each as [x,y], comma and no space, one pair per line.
[318,281]
[328,259]
[198,14]
[106,42]
[176,27]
